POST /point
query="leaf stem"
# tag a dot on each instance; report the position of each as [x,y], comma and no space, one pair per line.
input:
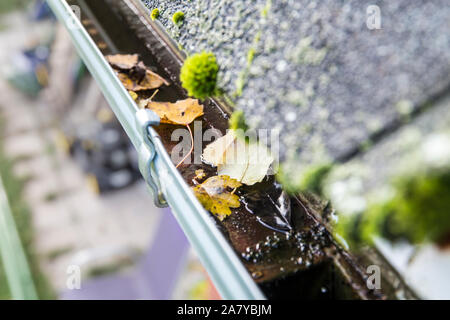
[192,147]
[153,95]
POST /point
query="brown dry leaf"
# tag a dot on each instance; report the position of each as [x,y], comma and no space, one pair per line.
[126,81]
[134,74]
[123,61]
[182,112]
[150,81]
[215,195]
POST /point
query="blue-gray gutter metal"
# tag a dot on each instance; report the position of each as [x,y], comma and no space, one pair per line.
[221,262]
[19,278]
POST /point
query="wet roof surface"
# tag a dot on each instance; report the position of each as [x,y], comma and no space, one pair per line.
[320,75]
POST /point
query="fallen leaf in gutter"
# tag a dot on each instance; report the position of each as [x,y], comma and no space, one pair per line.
[199,174]
[150,81]
[182,112]
[216,196]
[215,152]
[133,95]
[134,74]
[123,61]
[245,162]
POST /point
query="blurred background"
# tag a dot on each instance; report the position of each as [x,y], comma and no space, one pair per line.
[70,175]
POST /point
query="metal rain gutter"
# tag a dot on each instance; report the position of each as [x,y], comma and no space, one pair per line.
[224,267]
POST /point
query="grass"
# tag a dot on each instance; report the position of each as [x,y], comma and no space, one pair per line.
[55,254]
[4,290]
[7,6]
[21,213]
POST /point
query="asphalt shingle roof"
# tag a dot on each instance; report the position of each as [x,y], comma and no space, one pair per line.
[320,75]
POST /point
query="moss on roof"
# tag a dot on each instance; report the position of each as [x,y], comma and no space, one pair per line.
[314,70]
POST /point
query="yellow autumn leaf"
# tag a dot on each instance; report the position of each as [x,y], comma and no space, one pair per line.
[199,174]
[133,95]
[182,112]
[215,194]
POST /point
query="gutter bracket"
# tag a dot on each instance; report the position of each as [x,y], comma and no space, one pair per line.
[145,120]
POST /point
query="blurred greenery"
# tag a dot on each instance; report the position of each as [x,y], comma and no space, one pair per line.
[10,5]
[418,212]
[14,187]
[4,290]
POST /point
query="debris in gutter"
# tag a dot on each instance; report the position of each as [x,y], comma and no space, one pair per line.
[216,194]
[134,74]
[247,162]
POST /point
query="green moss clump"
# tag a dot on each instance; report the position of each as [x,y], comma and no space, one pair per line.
[155,14]
[238,125]
[285,180]
[240,83]
[266,8]
[310,180]
[237,121]
[178,17]
[251,55]
[419,212]
[199,75]
[360,229]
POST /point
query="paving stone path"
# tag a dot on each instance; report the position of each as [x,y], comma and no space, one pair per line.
[72,224]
